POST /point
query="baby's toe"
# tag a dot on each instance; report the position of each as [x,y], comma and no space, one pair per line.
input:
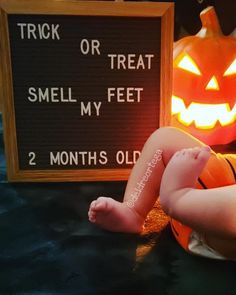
[92,216]
[195,151]
[177,154]
[183,152]
[93,205]
[101,204]
[204,154]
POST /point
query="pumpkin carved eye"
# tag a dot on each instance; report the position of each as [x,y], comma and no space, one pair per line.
[188,64]
[231,69]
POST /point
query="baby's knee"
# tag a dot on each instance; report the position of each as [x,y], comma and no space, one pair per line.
[230,222]
[232,228]
[162,134]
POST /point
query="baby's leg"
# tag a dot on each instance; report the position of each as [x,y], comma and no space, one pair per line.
[183,171]
[144,182]
[180,176]
[210,212]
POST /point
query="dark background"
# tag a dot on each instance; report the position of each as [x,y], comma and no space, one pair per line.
[187,21]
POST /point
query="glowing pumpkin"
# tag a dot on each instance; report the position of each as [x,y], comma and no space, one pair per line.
[204,79]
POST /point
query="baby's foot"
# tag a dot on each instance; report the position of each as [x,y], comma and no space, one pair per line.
[115,216]
[183,170]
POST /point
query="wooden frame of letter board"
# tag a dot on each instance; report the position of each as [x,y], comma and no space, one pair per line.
[84,8]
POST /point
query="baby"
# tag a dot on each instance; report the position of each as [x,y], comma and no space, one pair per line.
[169,166]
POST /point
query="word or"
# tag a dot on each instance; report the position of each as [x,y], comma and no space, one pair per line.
[90,47]
[39,31]
[157,157]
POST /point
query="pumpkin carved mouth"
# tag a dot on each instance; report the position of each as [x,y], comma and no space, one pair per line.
[203,116]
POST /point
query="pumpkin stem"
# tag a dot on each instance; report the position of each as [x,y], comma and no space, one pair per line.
[210,23]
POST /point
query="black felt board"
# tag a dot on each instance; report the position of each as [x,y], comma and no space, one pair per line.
[46,126]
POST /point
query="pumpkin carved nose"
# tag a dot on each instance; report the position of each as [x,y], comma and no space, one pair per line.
[213,84]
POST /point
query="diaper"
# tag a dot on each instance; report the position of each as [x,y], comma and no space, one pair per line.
[198,246]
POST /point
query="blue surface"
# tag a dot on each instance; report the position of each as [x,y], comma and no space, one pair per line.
[47,246]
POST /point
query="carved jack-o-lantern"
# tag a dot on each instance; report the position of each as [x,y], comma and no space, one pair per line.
[204,83]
